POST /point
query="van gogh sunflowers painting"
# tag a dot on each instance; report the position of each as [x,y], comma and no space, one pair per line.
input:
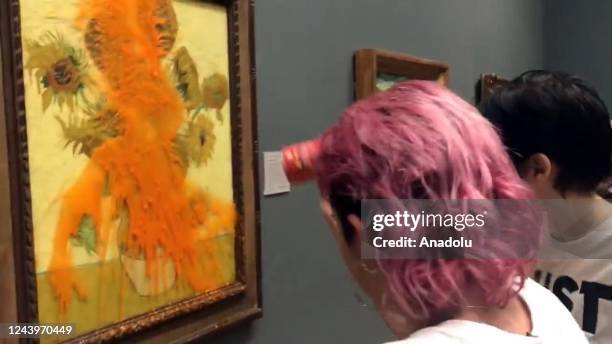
[128,124]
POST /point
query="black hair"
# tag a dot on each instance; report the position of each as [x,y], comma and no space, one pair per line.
[344,203]
[478,91]
[559,115]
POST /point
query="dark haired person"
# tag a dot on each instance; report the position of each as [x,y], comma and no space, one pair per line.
[557,131]
[418,140]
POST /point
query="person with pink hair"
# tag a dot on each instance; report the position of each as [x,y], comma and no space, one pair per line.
[418,140]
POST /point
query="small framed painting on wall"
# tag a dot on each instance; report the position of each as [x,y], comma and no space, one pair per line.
[377,70]
[486,85]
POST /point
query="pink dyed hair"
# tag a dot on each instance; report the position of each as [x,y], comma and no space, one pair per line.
[420,140]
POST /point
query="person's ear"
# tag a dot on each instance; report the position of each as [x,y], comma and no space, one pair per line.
[356,227]
[329,215]
[538,168]
[332,221]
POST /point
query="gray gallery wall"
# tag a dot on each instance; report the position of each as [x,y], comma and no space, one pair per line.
[577,39]
[304,73]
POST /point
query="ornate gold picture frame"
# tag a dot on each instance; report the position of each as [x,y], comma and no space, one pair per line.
[66,91]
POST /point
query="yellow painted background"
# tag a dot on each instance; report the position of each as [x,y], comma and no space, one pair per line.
[53,168]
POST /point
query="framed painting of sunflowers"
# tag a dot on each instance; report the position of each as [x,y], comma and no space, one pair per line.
[128,178]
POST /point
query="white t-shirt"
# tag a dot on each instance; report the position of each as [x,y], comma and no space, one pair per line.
[583,285]
[552,324]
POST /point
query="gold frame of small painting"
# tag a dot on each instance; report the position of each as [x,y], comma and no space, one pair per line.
[487,84]
[377,69]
